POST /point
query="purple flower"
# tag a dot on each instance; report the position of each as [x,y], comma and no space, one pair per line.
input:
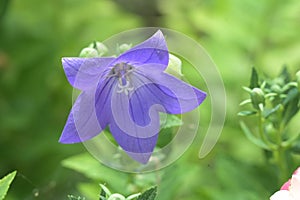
[126,94]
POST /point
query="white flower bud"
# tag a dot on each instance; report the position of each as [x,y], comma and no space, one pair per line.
[88,53]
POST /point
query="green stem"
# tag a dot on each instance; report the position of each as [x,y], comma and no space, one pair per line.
[261,130]
[280,157]
[278,150]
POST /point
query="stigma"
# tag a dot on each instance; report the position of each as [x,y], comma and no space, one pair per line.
[122,71]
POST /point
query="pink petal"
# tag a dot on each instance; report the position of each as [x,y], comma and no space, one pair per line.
[286,185]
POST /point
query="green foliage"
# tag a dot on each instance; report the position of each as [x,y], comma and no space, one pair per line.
[92,169]
[5,183]
[254,81]
[276,102]
[149,194]
[169,121]
[35,97]
[105,194]
[255,140]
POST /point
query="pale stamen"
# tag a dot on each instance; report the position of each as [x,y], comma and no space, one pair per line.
[122,71]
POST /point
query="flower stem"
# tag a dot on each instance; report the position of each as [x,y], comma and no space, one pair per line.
[278,150]
[261,129]
[280,156]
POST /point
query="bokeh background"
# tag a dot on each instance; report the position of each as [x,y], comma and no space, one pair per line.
[35,97]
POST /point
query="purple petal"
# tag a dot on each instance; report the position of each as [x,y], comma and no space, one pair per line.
[84,73]
[113,108]
[140,149]
[135,118]
[156,41]
[153,50]
[171,93]
[82,123]
[103,101]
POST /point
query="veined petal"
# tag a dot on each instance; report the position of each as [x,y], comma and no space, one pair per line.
[173,94]
[140,149]
[113,107]
[135,118]
[84,73]
[103,101]
[153,50]
[82,123]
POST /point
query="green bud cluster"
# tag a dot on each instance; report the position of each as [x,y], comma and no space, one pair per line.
[274,102]
[95,49]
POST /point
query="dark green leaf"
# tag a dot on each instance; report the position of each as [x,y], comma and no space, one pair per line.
[150,194]
[247,113]
[102,195]
[254,79]
[291,105]
[292,94]
[285,75]
[296,148]
[5,183]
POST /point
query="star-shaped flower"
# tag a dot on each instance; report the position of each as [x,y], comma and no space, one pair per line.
[126,94]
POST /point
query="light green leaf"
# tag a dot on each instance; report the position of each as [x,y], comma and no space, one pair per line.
[91,168]
[247,113]
[252,138]
[5,183]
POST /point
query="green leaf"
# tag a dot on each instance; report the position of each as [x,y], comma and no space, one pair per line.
[293,141]
[168,121]
[252,138]
[247,113]
[102,195]
[5,183]
[91,168]
[291,95]
[285,75]
[269,112]
[254,79]
[296,149]
[104,192]
[149,194]
[291,105]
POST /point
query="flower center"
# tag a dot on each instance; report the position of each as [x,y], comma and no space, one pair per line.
[122,71]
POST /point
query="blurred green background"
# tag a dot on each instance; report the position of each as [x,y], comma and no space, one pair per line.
[35,97]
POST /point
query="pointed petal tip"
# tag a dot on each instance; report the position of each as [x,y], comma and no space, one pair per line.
[159,33]
[202,97]
[67,139]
